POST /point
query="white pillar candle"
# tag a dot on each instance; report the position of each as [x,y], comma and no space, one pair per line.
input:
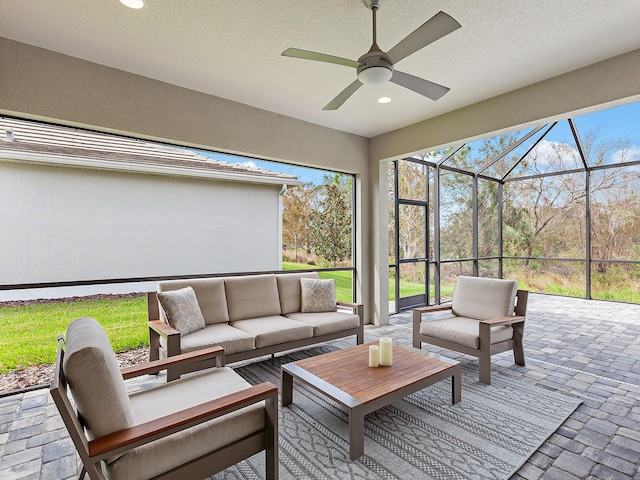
[374,356]
[386,352]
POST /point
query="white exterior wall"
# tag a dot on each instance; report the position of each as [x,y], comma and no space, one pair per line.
[68,224]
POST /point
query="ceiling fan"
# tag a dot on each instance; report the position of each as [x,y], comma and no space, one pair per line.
[376,66]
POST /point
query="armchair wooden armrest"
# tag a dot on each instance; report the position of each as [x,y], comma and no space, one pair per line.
[124,440]
[197,356]
[433,308]
[504,320]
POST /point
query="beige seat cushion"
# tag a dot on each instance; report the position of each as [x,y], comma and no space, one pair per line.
[484,298]
[289,290]
[233,340]
[162,455]
[252,296]
[327,322]
[210,294]
[463,331]
[274,329]
[93,375]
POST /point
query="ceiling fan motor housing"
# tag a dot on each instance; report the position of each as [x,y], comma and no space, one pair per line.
[373,69]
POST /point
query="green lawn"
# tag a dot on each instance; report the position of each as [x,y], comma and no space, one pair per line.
[28,333]
[343,279]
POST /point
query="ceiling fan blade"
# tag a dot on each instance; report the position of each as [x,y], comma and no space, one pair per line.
[419,85]
[343,96]
[319,57]
[433,29]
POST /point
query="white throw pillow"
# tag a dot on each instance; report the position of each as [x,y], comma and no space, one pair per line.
[317,295]
[182,310]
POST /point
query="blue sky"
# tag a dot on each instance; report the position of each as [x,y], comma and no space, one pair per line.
[621,122]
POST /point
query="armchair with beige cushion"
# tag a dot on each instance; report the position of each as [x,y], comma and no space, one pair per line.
[187,429]
[487,317]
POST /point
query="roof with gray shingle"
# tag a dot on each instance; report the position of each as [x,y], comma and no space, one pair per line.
[26,141]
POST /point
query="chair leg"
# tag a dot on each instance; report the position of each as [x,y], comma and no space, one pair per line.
[272,458]
[485,368]
[417,319]
[484,358]
[518,349]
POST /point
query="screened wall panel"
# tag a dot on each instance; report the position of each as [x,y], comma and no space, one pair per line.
[456,219]
[412,237]
[545,217]
[488,219]
[615,281]
[615,214]
[488,269]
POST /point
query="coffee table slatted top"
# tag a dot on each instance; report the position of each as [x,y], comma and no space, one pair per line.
[349,371]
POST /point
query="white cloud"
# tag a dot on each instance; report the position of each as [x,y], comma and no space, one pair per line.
[628,154]
[549,153]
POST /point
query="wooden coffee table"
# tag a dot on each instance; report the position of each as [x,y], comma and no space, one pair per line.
[345,376]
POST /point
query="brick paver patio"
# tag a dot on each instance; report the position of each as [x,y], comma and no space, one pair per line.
[588,349]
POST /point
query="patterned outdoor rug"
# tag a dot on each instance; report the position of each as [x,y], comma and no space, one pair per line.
[489,435]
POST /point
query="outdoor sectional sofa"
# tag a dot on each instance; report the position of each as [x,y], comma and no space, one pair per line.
[248,315]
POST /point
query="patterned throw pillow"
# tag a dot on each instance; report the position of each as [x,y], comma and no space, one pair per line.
[182,310]
[317,295]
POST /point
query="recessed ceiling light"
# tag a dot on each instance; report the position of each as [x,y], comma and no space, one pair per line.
[135,4]
[384,100]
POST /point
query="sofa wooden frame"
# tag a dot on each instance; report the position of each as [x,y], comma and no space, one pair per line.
[158,329]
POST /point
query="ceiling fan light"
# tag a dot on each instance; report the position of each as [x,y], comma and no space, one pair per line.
[375,75]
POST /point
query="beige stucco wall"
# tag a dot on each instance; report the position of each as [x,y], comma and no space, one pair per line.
[67,224]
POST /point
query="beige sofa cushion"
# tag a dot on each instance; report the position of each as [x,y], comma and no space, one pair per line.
[233,340]
[274,330]
[463,331]
[327,322]
[104,405]
[162,455]
[289,290]
[210,295]
[252,296]
[484,298]
[182,310]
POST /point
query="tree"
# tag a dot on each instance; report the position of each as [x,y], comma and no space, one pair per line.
[298,203]
[555,204]
[330,222]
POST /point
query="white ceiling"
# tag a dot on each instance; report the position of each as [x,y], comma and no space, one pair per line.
[231,48]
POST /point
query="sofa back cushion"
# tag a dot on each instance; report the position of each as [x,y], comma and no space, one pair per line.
[93,375]
[484,298]
[290,292]
[252,296]
[210,294]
